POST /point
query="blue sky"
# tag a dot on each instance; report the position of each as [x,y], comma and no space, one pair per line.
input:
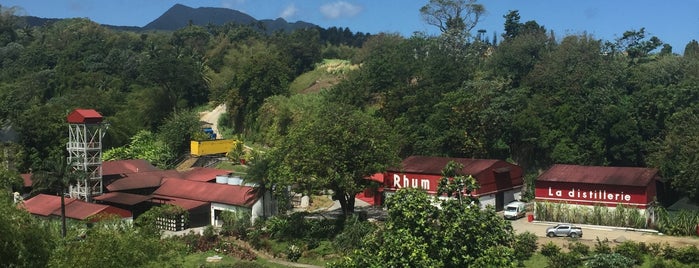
[675,22]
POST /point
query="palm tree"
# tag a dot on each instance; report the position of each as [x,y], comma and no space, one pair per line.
[257,174]
[56,175]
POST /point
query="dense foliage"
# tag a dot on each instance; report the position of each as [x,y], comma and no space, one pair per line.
[419,234]
[535,98]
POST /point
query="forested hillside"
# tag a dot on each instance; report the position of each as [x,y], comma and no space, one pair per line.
[535,98]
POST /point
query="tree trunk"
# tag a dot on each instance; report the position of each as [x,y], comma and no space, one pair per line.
[346,203]
[64,230]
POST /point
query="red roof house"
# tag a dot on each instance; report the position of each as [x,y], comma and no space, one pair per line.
[50,205]
[236,195]
[500,182]
[598,185]
[142,180]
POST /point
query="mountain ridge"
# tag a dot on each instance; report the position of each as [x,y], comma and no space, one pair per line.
[179,16]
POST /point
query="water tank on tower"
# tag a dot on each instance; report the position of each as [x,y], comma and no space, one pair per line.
[85,132]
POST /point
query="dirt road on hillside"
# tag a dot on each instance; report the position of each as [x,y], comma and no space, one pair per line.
[212,118]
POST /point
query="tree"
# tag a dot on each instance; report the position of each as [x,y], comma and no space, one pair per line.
[144,145]
[454,184]
[675,155]
[56,175]
[691,50]
[115,243]
[336,149]
[453,16]
[257,71]
[178,129]
[25,241]
[418,234]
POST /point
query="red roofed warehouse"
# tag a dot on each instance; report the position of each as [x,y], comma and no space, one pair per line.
[211,199]
[500,182]
[596,185]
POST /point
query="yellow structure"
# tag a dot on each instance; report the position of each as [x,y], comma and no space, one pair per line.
[209,147]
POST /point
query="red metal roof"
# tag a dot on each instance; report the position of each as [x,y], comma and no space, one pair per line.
[377,177]
[180,202]
[84,116]
[434,165]
[208,192]
[630,176]
[46,205]
[122,198]
[83,210]
[142,180]
[27,179]
[204,174]
[117,167]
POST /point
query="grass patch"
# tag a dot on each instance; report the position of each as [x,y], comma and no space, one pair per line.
[320,202]
[326,74]
[537,260]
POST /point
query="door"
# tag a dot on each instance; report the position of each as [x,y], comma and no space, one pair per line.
[499,201]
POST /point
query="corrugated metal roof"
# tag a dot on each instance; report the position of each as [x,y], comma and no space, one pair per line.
[122,198]
[117,167]
[209,192]
[630,176]
[83,210]
[84,116]
[180,202]
[204,174]
[434,165]
[142,180]
[45,205]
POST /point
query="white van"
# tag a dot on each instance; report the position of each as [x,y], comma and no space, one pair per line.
[515,210]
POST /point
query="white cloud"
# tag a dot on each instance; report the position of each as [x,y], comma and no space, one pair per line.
[340,9]
[289,12]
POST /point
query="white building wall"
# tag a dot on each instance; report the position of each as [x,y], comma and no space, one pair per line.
[513,195]
[224,207]
[487,200]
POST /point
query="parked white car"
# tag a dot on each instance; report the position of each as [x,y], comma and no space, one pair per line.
[515,210]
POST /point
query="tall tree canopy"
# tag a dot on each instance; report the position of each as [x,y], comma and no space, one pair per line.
[337,148]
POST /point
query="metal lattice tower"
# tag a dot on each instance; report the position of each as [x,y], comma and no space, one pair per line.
[85,152]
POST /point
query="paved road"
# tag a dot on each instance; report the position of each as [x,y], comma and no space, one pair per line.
[592,232]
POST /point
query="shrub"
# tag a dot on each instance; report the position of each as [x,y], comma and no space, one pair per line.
[549,249]
[564,260]
[579,248]
[209,234]
[352,234]
[605,260]
[602,246]
[669,252]
[525,246]
[293,253]
[654,249]
[632,250]
[235,223]
[688,255]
